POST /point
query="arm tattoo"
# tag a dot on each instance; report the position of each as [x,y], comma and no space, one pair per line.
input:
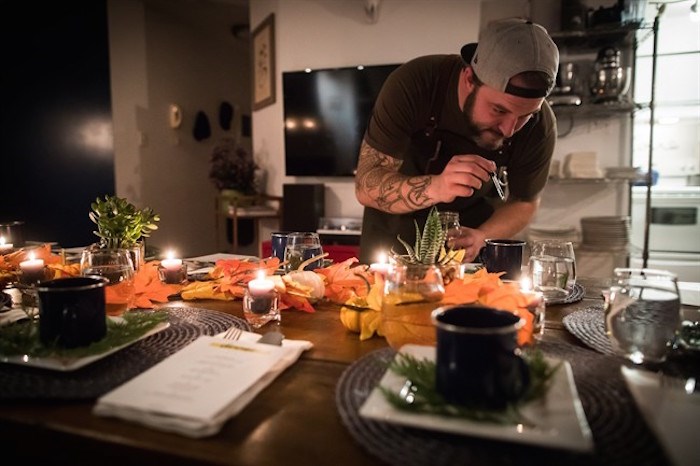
[388,190]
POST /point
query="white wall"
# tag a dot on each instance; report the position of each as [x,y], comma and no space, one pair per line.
[160,57]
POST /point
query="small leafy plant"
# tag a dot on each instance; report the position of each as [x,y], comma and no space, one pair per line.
[120,224]
[232,167]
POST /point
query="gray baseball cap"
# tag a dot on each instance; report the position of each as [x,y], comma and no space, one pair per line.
[511,46]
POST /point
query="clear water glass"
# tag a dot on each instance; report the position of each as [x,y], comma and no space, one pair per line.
[642,314]
[411,293]
[302,246]
[117,266]
[552,267]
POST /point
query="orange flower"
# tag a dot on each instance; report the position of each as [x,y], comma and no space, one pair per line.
[234,274]
[344,282]
[64,270]
[149,289]
[471,287]
[489,290]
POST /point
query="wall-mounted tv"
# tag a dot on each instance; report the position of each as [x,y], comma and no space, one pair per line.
[325,116]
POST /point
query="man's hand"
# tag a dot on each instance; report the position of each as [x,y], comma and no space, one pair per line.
[462,176]
[471,240]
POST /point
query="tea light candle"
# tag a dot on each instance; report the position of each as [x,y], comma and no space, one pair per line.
[172,271]
[525,284]
[32,269]
[170,262]
[5,247]
[381,267]
[261,301]
[261,285]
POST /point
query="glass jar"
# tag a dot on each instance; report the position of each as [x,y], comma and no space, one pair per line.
[411,293]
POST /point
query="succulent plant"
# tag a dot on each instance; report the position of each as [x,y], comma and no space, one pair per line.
[429,245]
[119,223]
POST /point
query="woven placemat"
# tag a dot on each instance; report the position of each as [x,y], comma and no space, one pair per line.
[575,295]
[96,379]
[588,325]
[620,435]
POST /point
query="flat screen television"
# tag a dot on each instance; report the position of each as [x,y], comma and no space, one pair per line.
[325,116]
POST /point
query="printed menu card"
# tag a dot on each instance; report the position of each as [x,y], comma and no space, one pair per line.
[194,391]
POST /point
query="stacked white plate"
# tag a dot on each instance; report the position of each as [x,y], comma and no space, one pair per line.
[605,233]
[623,173]
[559,232]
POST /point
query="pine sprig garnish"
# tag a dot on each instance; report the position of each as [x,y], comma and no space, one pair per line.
[420,396]
[22,338]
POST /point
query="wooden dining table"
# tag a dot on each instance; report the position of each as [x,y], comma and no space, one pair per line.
[294,421]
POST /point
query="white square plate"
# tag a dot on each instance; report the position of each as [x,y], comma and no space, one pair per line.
[558,419]
[67,364]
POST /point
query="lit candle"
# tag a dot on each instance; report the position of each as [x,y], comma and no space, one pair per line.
[32,269]
[4,246]
[171,263]
[381,266]
[171,270]
[261,285]
[525,284]
[535,305]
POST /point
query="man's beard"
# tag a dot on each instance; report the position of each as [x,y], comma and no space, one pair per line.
[484,137]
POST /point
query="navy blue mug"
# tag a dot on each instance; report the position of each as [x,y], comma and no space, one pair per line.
[478,360]
[72,311]
[278,241]
[503,255]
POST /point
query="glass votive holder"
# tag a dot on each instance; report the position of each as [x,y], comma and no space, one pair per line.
[259,309]
[536,306]
[173,275]
[31,277]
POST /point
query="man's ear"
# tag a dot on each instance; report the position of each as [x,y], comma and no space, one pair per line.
[467,79]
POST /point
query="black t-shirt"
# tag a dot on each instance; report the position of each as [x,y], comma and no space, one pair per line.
[398,126]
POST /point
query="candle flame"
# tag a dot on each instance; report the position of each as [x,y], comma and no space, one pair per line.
[170,254]
[2,240]
[381,257]
[261,274]
[31,256]
[525,284]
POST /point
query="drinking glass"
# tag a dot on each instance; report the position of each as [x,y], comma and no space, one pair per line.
[411,293]
[117,267]
[300,247]
[553,268]
[642,314]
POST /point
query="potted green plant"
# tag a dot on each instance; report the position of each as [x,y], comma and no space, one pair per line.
[120,225]
[429,248]
[233,171]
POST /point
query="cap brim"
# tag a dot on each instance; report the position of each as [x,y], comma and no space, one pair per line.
[467,52]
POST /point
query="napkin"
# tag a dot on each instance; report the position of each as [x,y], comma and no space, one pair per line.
[670,412]
[196,390]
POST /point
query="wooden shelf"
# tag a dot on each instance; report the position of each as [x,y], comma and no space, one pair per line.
[256,207]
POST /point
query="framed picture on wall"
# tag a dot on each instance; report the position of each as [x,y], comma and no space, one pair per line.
[263,54]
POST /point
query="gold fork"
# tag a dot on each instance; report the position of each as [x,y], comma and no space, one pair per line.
[233,333]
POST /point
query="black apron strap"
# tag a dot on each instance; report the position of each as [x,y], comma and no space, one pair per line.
[437,100]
